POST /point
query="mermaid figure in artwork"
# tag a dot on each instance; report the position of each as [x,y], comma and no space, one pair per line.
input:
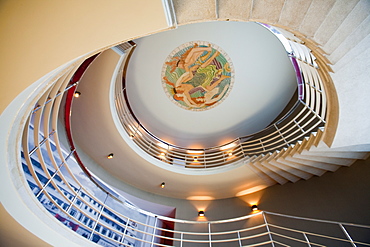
[201,74]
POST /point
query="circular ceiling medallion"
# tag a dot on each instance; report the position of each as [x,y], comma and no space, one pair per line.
[197,75]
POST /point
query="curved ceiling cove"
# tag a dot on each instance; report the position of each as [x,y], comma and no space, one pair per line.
[177,64]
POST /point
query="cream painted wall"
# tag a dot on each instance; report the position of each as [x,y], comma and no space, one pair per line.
[38,36]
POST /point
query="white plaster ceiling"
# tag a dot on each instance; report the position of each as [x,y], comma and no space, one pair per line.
[264,84]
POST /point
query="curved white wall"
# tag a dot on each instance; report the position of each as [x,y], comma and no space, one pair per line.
[43,35]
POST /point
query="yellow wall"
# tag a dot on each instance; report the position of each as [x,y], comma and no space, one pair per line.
[40,35]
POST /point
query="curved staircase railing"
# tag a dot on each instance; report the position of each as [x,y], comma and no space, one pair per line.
[97,212]
[306,116]
[83,203]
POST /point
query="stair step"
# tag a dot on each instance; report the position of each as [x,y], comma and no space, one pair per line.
[316,164]
[273,156]
[270,173]
[289,15]
[285,174]
[319,135]
[305,168]
[238,10]
[264,157]
[286,151]
[347,52]
[261,174]
[298,173]
[333,20]
[189,10]
[358,14]
[315,15]
[303,145]
[267,11]
[328,160]
[356,38]
[341,154]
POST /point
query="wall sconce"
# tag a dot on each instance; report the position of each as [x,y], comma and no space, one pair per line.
[110,156]
[195,158]
[201,213]
[162,185]
[77,94]
[254,208]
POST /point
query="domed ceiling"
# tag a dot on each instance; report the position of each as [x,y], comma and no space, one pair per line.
[251,84]
[263,82]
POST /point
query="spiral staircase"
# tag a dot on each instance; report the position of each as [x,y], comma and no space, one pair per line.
[338,30]
[337,33]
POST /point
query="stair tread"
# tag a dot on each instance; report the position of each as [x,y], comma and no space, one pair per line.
[320,165]
[261,174]
[271,174]
[327,160]
[302,167]
[281,172]
[292,170]
[341,154]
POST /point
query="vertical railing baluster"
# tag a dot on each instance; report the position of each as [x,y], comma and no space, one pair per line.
[281,135]
[209,234]
[55,173]
[73,200]
[308,241]
[181,238]
[347,235]
[268,229]
[204,159]
[263,147]
[154,229]
[241,147]
[240,241]
[125,230]
[98,218]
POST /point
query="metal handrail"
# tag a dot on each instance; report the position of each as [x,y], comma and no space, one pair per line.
[311,96]
[52,174]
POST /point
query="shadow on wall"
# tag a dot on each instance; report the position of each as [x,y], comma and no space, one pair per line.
[339,196]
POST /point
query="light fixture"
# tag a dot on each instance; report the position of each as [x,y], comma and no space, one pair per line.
[110,156]
[192,151]
[196,159]
[77,94]
[254,208]
[201,213]
[132,136]
[230,154]
[163,184]
[227,146]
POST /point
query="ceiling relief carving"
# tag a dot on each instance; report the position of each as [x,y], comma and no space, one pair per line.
[197,76]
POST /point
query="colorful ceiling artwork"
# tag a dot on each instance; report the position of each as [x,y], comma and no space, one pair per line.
[197,75]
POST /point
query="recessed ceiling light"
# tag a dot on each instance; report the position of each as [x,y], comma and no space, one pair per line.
[110,156]
[163,184]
